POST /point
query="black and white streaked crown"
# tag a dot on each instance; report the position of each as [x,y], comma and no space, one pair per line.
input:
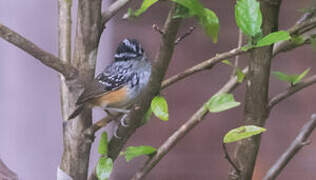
[128,49]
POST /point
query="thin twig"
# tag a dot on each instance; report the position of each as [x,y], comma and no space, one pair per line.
[44,57]
[6,173]
[202,66]
[112,10]
[156,28]
[291,90]
[186,34]
[184,129]
[237,57]
[299,142]
[279,47]
[230,160]
[89,132]
[301,27]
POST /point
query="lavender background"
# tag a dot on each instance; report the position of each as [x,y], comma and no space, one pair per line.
[30,128]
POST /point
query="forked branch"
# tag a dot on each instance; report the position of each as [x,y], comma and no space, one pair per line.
[299,142]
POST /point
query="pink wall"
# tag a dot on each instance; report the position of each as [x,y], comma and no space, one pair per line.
[30,129]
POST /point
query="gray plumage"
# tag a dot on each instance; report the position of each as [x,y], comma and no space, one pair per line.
[130,69]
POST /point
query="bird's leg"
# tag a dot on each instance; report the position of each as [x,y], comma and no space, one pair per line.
[124,111]
[115,135]
[108,113]
[123,123]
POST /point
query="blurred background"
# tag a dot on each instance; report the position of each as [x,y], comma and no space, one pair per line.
[31,125]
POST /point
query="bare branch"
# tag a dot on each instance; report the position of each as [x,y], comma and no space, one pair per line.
[237,57]
[303,26]
[299,142]
[112,10]
[202,66]
[156,28]
[279,47]
[291,90]
[230,160]
[64,48]
[256,97]
[186,34]
[304,29]
[184,129]
[44,57]
[6,173]
[89,132]
[75,158]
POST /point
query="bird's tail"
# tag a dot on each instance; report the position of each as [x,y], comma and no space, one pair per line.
[76,112]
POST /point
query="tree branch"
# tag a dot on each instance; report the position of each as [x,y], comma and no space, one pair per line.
[291,90]
[44,57]
[240,39]
[282,46]
[202,66]
[256,97]
[197,117]
[184,129]
[186,34]
[229,159]
[6,173]
[159,68]
[64,49]
[112,10]
[302,29]
[75,158]
[299,142]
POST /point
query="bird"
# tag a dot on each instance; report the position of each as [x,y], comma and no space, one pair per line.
[120,84]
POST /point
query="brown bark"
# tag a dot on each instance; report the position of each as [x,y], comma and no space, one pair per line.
[256,100]
[75,159]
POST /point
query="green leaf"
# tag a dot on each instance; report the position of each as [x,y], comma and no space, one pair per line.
[242,132]
[273,38]
[194,6]
[247,47]
[104,168]
[182,12]
[134,151]
[227,62]
[159,107]
[103,144]
[209,21]
[284,77]
[290,78]
[248,17]
[301,76]
[240,75]
[297,40]
[145,5]
[221,102]
[313,43]
[147,116]
[207,18]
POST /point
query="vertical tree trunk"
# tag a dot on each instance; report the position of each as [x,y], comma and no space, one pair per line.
[255,110]
[75,158]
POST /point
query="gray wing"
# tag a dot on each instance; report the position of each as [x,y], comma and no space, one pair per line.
[114,77]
